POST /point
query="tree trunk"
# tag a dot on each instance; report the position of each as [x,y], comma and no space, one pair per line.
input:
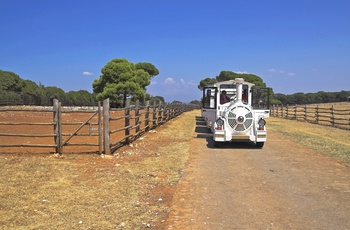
[124,100]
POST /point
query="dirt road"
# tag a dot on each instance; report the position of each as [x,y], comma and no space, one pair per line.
[282,186]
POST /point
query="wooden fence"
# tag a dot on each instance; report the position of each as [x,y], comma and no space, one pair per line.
[318,114]
[69,129]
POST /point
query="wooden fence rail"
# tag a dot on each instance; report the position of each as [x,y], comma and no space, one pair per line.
[324,115]
[81,130]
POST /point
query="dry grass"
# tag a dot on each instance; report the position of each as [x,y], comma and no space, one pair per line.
[131,190]
[337,105]
[324,139]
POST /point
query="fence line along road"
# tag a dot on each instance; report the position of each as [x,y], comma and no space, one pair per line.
[103,127]
[317,114]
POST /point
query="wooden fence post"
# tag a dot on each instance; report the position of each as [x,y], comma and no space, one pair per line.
[127,120]
[100,136]
[305,112]
[154,114]
[159,117]
[58,125]
[166,112]
[147,117]
[271,111]
[295,111]
[316,114]
[106,136]
[55,127]
[137,116]
[332,115]
[282,111]
[172,113]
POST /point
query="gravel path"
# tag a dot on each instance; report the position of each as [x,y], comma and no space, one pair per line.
[282,186]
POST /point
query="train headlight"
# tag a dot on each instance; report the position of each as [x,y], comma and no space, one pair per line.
[219,123]
[261,124]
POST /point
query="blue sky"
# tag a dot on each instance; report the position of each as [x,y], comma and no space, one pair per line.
[294,45]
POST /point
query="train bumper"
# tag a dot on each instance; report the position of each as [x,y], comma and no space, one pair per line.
[219,135]
[261,136]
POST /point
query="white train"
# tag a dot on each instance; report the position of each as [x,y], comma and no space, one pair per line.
[235,113]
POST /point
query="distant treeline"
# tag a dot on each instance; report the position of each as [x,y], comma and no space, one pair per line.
[312,98]
[16,91]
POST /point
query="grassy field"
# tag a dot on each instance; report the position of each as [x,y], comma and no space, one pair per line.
[130,190]
[337,105]
[327,140]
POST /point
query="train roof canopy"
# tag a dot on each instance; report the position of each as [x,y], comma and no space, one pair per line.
[233,82]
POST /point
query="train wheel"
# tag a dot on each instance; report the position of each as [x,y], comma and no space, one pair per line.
[260,144]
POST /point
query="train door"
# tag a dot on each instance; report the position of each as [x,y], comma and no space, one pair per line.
[209,104]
